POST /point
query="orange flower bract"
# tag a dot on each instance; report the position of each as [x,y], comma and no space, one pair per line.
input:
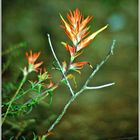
[87,40]
[77,30]
[32,57]
[79,65]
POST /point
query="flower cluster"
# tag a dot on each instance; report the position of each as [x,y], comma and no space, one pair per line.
[77,31]
[32,57]
[43,75]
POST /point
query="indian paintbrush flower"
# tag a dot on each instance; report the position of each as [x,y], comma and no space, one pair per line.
[32,57]
[76,29]
[51,84]
[44,75]
[72,51]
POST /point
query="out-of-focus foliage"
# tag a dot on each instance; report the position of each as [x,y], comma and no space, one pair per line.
[101,114]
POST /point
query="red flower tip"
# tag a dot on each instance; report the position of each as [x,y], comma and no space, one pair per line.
[49,133]
[51,84]
[32,57]
[79,65]
[72,51]
[75,28]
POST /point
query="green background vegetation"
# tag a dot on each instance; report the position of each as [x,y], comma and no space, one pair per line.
[108,113]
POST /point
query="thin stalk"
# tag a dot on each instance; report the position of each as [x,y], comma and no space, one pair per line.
[38,99]
[23,94]
[50,43]
[101,64]
[102,86]
[70,101]
[13,98]
[27,91]
[18,97]
[62,113]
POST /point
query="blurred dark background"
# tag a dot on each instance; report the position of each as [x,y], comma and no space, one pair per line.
[109,113]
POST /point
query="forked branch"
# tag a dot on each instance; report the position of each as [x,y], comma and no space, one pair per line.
[85,86]
[68,84]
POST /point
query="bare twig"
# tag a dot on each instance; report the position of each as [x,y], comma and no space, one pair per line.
[99,65]
[85,87]
[50,43]
[102,86]
[13,47]
[13,98]
[62,113]
[97,68]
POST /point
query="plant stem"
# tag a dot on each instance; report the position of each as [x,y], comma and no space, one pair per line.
[50,43]
[18,97]
[13,98]
[102,86]
[70,101]
[101,63]
[85,87]
[62,113]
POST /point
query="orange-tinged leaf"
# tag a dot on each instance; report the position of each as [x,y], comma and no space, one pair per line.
[79,65]
[49,133]
[51,84]
[85,22]
[87,40]
[64,65]
[97,32]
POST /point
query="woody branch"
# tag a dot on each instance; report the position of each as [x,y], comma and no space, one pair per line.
[85,86]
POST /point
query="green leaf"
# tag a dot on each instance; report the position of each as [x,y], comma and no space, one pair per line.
[39,88]
[33,84]
[23,138]
[56,66]
[50,94]
[44,137]
[64,81]
[11,138]
[35,137]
